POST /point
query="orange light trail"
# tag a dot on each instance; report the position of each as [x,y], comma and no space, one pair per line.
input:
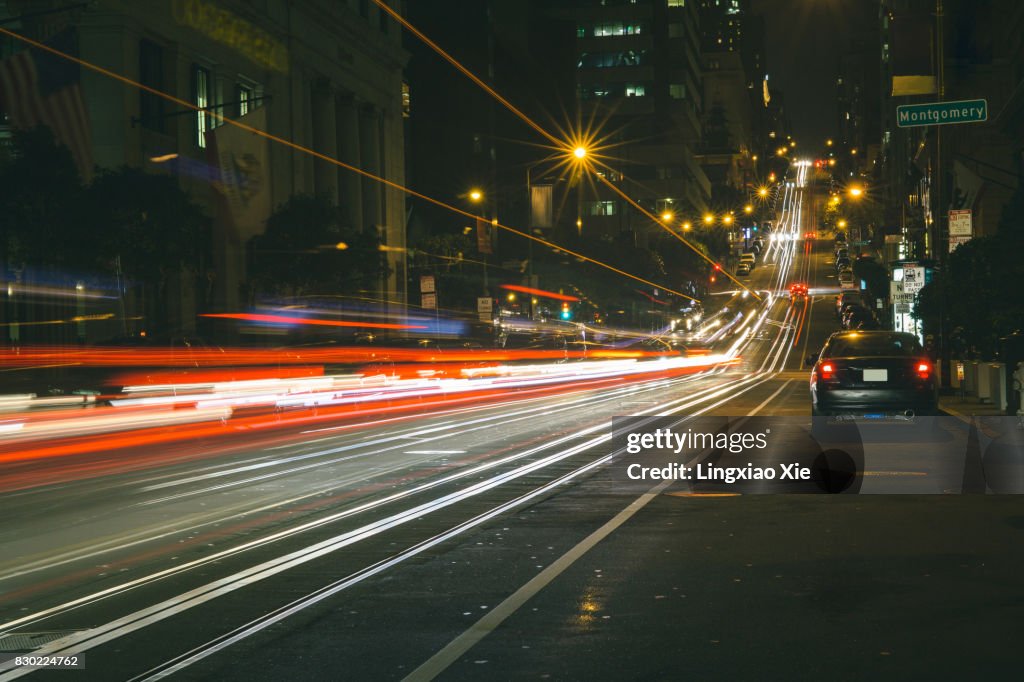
[539,292]
[286,319]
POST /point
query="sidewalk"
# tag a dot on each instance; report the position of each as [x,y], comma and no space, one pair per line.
[969,406]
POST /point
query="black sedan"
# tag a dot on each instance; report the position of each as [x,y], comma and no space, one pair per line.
[873,374]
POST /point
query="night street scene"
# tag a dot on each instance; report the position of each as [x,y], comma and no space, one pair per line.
[511,339]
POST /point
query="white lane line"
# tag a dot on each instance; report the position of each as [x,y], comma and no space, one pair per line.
[455,649]
[769,399]
[440,661]
[435,452]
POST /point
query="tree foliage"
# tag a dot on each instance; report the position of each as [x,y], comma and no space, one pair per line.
[145,220]
[39,205]
[298,254]
[975,292]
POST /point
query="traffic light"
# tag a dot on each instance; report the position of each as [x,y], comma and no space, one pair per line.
[566,313]
[718,267]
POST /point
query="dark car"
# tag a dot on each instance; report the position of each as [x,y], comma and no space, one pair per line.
[873,374]
[847,298]
[842,262]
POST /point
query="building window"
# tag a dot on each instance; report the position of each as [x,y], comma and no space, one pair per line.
[151,74]
[676,3]
[406,100]
[616,28]
[634,91]
[201,98]
[600,60]
[677,90]
[581,31]
[599,208]
[594,91]
[245,100]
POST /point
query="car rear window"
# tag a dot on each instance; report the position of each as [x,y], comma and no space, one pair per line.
[873,344]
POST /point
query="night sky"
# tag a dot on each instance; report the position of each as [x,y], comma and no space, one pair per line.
[804,40]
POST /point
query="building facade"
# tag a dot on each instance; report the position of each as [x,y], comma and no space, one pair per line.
[638,78]
[322,75]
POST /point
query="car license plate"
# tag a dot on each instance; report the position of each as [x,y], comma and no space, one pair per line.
[876,375]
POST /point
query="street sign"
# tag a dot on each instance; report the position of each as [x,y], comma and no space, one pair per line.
[484,304]
[960,223]
[429,301]
[957,241]
[942,113]
[913,279]
[427,284]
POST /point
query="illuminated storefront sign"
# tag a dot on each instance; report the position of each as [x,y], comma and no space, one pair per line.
[229,29]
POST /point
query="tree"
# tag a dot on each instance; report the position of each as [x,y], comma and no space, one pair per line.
[147,228]
[39,206]
[307,249]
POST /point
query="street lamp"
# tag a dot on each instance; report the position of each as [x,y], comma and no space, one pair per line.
[475,195]
[708,219]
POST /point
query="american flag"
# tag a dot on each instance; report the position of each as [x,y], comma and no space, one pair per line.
[40,88]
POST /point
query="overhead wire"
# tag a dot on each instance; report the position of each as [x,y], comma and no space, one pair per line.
[526,119]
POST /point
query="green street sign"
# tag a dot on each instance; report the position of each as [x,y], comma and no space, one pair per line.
[942,113]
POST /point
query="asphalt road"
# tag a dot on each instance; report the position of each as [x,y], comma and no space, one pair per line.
[498,540]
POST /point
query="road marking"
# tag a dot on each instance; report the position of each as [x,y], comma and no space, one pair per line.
[682,494]
[440,661]
[769,399]
[435,452]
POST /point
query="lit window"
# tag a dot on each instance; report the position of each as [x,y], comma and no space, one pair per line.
[677,3]
[245,102]
[677,90]
[599,208]
[201,97]
[634,91]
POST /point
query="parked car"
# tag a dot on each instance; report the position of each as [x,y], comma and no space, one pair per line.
[873,374]
[847,298]
[743,269]
[859,317]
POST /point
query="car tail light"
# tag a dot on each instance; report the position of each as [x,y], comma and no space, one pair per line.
[923,369]
[827,370]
